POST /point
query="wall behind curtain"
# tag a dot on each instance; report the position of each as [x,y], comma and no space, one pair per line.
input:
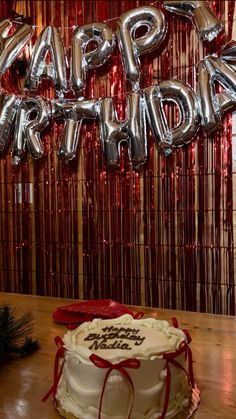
[161,236]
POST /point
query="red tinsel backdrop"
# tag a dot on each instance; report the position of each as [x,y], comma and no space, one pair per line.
[161,236]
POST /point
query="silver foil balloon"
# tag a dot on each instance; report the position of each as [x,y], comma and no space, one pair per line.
[209,112]
[73,113]
[207,24]
[82,60]
[48,41]
[8,107]
[32,117]
[182,96]
[226,102]
[131,46]
[214,105]
[228,52]
[131,130]
[157,119]
[12,45]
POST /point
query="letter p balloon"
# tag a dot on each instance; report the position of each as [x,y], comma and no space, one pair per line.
[132,46]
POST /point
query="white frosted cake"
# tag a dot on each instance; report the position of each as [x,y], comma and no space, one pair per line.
[124,369]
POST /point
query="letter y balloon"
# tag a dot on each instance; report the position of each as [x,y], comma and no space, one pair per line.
[204,19]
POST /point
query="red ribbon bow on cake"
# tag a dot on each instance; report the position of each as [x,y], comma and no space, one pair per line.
[127,363]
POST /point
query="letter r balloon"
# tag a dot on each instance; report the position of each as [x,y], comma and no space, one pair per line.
[32,117]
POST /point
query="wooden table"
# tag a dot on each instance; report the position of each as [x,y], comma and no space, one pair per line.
[23,382]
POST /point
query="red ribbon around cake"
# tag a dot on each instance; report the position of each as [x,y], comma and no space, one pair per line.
[170,358]
[57,369]
[104,363]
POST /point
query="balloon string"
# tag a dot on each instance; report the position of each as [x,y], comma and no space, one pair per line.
[127,93]
[123,93]
[120,94]
[75,26]
[176,76]
[104,21]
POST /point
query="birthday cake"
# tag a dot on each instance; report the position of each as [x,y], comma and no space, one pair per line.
[124,369]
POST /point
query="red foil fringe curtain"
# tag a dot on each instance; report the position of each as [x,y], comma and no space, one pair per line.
[159,237]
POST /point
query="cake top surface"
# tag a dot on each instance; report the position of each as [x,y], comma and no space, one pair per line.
[123,337]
